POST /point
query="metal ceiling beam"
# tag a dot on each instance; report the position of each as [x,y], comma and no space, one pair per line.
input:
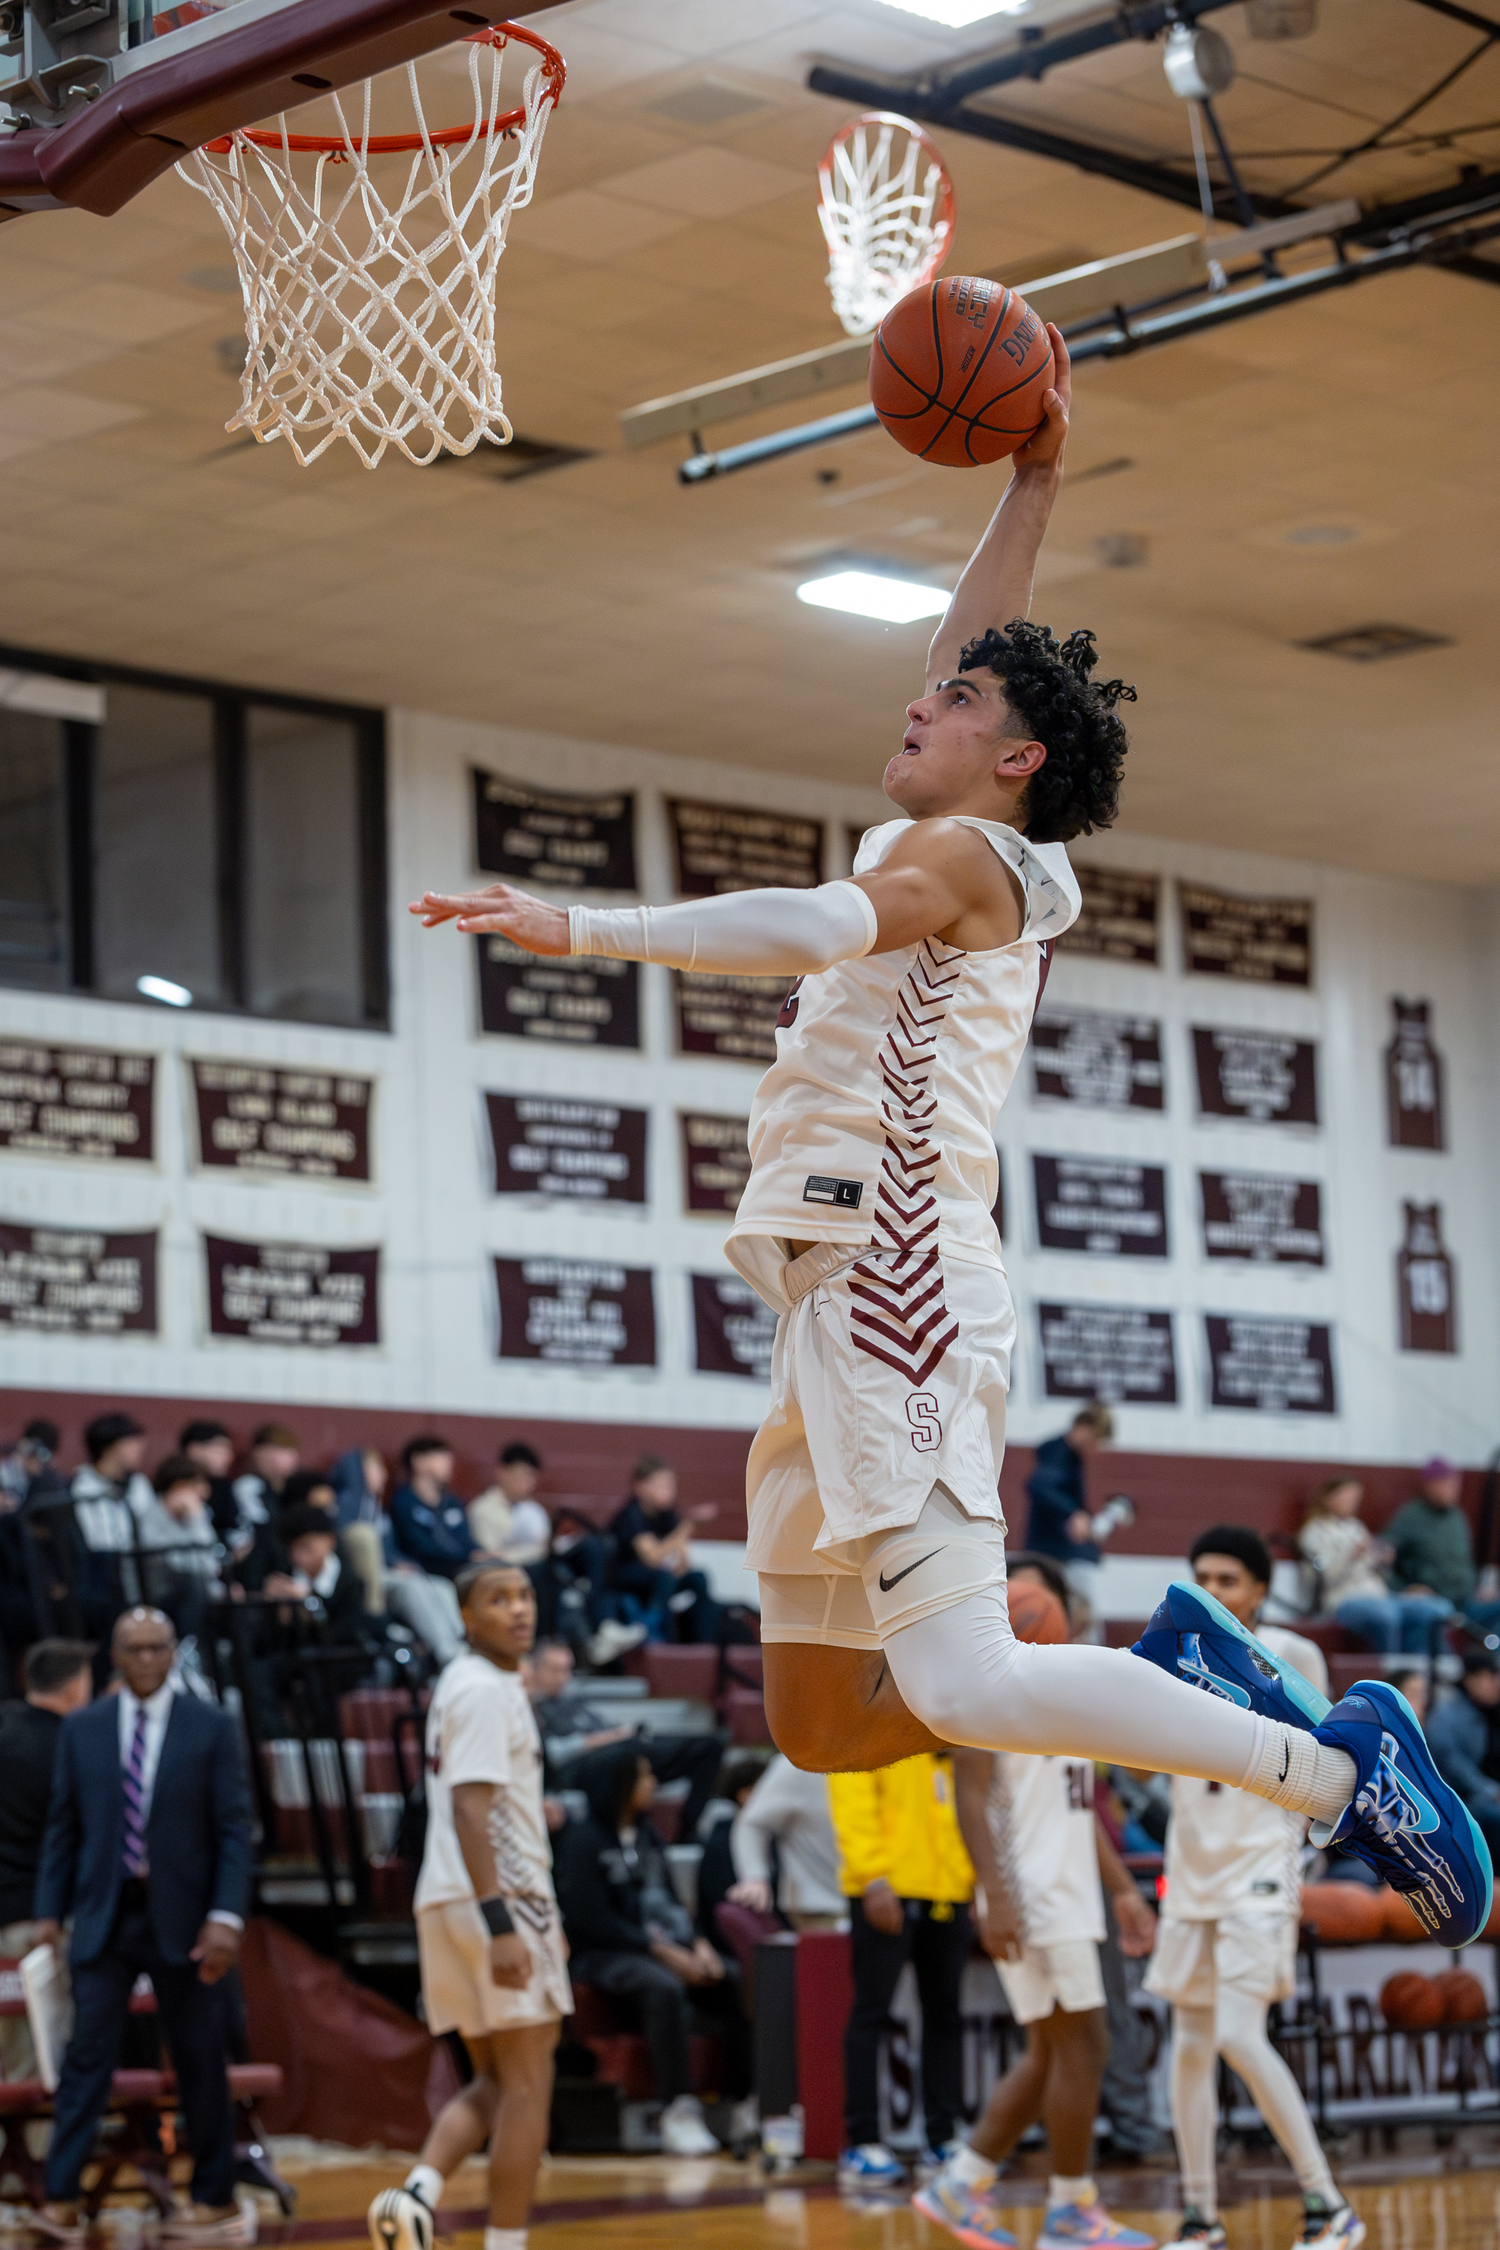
[1061,148]
[1129,336]
[1033,57]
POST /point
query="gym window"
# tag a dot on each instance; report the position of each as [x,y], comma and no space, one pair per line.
[228,844]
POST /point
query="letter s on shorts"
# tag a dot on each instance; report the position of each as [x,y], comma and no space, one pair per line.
[926,1429]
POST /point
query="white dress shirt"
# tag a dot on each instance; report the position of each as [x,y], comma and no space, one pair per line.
[157,1709]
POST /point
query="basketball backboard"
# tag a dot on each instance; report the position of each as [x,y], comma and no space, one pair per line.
[98,97]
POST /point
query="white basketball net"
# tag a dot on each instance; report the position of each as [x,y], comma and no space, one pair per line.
[369,279]
[887,213]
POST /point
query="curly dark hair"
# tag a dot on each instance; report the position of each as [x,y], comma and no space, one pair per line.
[1048,688]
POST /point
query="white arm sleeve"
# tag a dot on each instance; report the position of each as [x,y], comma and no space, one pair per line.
[749,933]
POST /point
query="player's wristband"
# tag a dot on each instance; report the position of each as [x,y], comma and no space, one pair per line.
[496,1917]
[770,932]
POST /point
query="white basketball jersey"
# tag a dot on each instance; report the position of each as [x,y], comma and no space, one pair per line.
[1041,1813]
[1227,1851]
[878,1114]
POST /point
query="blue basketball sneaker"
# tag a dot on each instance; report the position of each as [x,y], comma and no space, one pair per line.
[1403,1820]
[1193,1637]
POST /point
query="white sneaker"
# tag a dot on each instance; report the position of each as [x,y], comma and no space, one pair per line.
[683,2132]
[614,1639]
[400,2220]
[1339,2229]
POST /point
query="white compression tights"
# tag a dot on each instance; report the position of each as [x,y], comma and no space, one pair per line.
[1236,2029]
[963,1674]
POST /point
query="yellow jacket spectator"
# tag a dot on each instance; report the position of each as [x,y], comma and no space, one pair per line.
[907,1878]
[900,1824]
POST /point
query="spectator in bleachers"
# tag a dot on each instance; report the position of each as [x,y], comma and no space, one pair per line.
[210,1446]
[274,1456]
[570,1727]
[1060,1524]
[1432,1547]
[22,1463]
[908,1880]
[1461,1731]
[571,1583]
[308,1488]
[1350,1563]
[359,1479]
[632,1938]
[184,1578]
[506,1518]
[716,1869]
[316,1568]
[314,1600]
[785,1852]
[652,1564]
[109,1494]
[58,1681]
[430,1525]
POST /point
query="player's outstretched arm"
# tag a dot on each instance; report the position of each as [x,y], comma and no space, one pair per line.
[995,588]
[940,877]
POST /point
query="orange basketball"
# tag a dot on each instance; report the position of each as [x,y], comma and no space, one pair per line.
[1343,1913]
[1036,1614]
[957,371]
[1462,1996]
[1410,2002]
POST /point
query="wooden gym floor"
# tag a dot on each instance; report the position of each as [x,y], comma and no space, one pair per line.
[1419,2197]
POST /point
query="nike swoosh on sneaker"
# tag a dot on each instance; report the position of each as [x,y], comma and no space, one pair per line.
[887,1584]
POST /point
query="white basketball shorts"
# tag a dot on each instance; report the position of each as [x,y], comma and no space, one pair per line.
[1065,1976]
[1254,1953]
[888,1385]
[458,1991]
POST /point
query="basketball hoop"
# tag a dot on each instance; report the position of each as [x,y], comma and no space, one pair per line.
[370,309]
[886,234]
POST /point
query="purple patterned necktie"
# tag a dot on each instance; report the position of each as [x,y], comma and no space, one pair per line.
[135,1801]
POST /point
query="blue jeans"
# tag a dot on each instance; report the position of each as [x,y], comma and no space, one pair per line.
[1394,1624]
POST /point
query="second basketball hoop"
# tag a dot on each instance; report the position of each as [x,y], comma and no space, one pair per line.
[886,204]
[369,284]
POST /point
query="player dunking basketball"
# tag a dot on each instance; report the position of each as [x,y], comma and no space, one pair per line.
[874,1518]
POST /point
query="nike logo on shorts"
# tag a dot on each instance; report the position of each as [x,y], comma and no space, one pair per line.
[887,1585]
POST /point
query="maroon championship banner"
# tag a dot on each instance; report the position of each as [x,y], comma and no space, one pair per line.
[1102,1061]
[734,1017]
[734,848]
[1262,1216]
[715,1162]
[1261,940]
[292,1293]
[1256,1075]
[1111,1209]
[545,1144]
[583,841]
[1108,1351]
[313,1124]
[71,1281]
[1413,1080]
[1271,1366]
[1118,917]
[1425,1283]
[572,1003]
[576,1312]
[733,1329]
[76,1101]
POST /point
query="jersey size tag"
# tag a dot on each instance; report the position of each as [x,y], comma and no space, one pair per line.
[845,1194]
[1266,1890]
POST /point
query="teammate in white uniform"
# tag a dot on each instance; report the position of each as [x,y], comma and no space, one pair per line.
[1226,1944]
[489,1934]
[874,1518]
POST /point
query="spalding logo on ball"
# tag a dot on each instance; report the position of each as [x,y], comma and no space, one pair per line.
[958,371]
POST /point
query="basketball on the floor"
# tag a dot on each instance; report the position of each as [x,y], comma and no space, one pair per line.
[1462,1996]
[958,370]
[1036,1614]
[1410,2002]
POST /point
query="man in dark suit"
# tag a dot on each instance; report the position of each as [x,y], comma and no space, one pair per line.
[148,1847]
